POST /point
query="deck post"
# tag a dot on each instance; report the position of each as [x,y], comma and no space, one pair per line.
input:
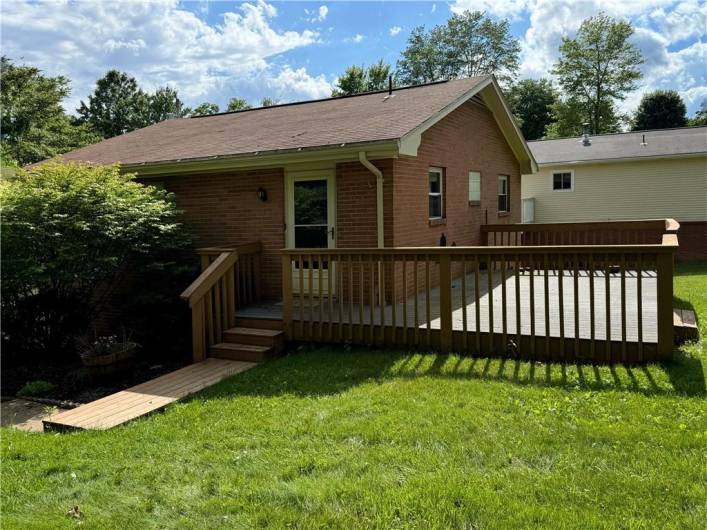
[287,296]
[445,302]
[665,269]
[197,331]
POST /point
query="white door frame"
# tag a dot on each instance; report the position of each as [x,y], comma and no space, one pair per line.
[303,175]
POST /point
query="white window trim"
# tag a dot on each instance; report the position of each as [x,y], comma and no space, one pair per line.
[508,192]
[439,170]
[469,183]
[552,180]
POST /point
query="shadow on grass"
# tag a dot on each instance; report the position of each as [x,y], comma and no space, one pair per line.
[330,370]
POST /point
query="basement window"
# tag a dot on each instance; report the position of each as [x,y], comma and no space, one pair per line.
[562,180]
[435,192]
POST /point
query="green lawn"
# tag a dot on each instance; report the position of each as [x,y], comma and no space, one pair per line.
[336,438]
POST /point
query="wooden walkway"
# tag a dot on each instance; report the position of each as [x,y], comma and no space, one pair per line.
[147,397]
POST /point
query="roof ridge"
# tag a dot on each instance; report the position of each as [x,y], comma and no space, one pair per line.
[642,131]
[331,98]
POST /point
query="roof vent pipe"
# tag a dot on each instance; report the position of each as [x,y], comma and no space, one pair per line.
[586,141]
[643,141]
[390,85]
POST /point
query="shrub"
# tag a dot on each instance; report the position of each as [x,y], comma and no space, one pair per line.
[70,233]
[36,388]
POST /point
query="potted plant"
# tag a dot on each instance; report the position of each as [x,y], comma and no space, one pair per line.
[108,354]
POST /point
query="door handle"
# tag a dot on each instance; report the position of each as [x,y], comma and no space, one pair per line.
[331,231]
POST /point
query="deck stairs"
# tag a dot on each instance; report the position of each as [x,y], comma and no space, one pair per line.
[251,339]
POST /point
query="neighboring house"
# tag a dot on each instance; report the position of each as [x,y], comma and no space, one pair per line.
[636,175]
[418,166]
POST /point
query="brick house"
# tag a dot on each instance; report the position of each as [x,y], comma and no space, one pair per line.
[416,166]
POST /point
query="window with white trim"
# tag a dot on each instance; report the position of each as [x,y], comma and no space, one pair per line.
[474,186]
[562,180]
[504,204]
[435,192]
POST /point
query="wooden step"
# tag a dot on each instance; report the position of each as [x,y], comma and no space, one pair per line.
[259,323]
[685,325]
[241,352]
[259,337]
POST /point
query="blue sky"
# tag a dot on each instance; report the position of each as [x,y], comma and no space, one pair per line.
[213,50]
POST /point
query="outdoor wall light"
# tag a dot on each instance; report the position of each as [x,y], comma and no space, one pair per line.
[262,194]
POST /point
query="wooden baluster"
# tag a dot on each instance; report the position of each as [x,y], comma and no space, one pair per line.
[197,331]
[623,308]
[664,279]
[575,281]
[427,300]
[477,303]
[546,305]
[561,301]
[287,295]
[371,300]
[405,300]
[340,295]
[231,294]
[517,295]
[393,281]
[301,296]
[416,333]
[211,336]
[330,316]
[256,276]
[639,305]
[361,299]
[381,295]
[504,316]
[224,304]
[531,277]
[592,315]
[350,264]
[320,288]
[217,310]
[310,294]
[445,302]
[607,292]
[464,308]
[237,284]
[489,278]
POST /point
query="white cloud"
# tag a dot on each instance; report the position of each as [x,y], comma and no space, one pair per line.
[434,8]
[300,82]
[158,42]
[356,38]
[395,30]
[320,15]
[660,25]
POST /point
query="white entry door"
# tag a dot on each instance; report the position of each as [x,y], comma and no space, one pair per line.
[311,201]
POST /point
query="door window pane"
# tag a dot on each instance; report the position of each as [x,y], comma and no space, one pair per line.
[311,202]
[311,236]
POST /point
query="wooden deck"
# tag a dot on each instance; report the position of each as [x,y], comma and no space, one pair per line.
[147,397]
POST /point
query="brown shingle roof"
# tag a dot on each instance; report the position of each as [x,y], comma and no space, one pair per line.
[350,120]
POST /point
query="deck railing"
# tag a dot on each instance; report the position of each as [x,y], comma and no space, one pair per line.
[230,278]
[605,303]
[590,233]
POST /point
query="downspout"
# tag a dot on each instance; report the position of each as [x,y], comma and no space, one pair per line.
[379,210]
[379,195]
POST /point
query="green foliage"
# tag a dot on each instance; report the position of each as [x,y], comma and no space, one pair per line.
[330,438]
[70,233]
[268,102]
[206,109]
[238,104]
[700,117]
[165,104]
[36,388]
[660,109]
[34,126]
[117,105]
[359,79]
[531,102]
[596,68]
[469,44]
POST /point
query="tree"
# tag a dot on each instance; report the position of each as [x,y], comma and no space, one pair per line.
[700,117]
[469,44]
[238,104]
[359,79]
[660,109]
[68,230]
[531,102]
[34,125]
[597,68]
[117,105]
[206,109]
[268,102]
[165,104]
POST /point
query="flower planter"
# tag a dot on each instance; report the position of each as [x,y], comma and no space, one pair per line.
[108,364]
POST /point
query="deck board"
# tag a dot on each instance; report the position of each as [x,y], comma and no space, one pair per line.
[146,397]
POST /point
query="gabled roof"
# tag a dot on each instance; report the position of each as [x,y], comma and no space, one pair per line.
[660,143]
[334,123]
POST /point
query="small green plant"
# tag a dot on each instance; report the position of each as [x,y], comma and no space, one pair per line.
[97,346]
[36,388]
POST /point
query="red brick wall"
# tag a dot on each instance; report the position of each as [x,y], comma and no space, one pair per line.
[692,238]
[224,209]
[468,139]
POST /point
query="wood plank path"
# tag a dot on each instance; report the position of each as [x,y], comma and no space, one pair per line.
[147,397]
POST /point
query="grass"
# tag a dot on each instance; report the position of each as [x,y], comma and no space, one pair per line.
[334,438]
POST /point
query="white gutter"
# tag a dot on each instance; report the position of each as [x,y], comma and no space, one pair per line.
[379,195]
